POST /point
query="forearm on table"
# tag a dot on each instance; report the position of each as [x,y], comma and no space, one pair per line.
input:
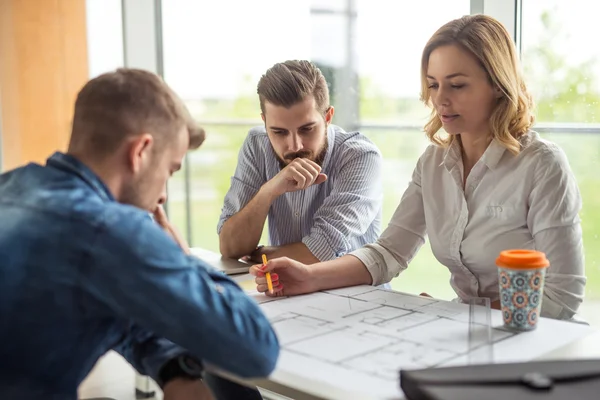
[241,233]
[341,272]
[296,251]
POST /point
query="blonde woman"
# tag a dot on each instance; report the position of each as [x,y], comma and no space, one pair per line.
[488,184]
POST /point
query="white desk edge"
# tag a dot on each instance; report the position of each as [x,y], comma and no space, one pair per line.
[308,389]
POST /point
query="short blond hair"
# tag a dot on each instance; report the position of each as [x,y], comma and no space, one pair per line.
[125,102]
[491,45]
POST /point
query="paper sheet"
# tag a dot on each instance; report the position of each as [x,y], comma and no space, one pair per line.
[359,338]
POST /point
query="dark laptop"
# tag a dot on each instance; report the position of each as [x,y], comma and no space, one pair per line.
[227,265]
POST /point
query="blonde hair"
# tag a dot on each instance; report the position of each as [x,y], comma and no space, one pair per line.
[490,43]
[125,102]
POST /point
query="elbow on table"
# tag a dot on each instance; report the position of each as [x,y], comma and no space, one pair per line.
[261,361]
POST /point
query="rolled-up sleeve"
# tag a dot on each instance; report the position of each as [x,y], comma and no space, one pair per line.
[354,203]
[146,352]
[401,240]
[245,182]
[146,278]
[553,219]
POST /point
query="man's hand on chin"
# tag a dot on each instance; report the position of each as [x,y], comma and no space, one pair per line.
[161,219]
[185,389]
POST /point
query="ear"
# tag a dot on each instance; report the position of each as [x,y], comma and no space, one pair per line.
[498,92]
[262,115]
[140,148]
[329,114]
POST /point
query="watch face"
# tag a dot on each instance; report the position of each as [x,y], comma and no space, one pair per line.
[190,366]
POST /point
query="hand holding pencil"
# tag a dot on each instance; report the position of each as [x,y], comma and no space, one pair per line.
[283,277]
[267,275]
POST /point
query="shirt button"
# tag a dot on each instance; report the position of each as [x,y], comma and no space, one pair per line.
[296,213]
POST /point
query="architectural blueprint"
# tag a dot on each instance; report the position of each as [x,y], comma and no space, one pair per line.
[360,337]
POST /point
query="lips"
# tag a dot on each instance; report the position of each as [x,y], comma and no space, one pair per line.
[447,118]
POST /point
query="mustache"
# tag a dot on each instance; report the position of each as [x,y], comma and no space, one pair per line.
[298,154]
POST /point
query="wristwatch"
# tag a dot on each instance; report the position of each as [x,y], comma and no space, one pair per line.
[256,252]
[183,366]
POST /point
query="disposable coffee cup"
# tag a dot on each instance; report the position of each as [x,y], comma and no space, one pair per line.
[521,277]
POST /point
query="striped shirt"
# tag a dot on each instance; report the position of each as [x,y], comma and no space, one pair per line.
[333,218]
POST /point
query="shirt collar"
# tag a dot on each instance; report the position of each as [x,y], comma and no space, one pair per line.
[452,155]
[493,154]
[70,164]
[491,157]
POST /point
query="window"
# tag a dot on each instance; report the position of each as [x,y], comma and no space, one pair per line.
[105,46]
[214,63]
[341,41]
[390,112]
[563,72]
[370,53]
[361,47]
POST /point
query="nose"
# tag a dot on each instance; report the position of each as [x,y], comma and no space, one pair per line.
[441,96]
[295,144]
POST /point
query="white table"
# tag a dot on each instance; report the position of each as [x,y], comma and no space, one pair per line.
[288,379]
[291,378]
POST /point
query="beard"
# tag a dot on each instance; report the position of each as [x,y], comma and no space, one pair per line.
[136,193]
[318,158]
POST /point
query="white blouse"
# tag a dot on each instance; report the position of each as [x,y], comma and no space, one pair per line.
[528,201]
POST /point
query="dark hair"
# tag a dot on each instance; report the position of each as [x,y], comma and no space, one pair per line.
[115,105]
[290,82]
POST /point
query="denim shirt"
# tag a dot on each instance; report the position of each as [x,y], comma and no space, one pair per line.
[81,274]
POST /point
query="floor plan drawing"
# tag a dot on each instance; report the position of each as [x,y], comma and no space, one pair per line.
[367,328]
[361,337]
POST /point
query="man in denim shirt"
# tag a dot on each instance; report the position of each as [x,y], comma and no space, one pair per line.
[85,270]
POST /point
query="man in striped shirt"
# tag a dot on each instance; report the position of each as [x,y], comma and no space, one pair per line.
[321,187]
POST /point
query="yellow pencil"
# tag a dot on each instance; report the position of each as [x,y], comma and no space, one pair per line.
[268,275]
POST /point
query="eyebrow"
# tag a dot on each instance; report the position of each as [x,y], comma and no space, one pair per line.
[451,75]
[308,124]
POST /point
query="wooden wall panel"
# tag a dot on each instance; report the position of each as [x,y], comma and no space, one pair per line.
[43,63]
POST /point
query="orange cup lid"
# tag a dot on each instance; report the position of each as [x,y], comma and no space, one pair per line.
[522,259]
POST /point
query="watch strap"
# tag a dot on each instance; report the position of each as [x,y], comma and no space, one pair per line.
[183,366]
